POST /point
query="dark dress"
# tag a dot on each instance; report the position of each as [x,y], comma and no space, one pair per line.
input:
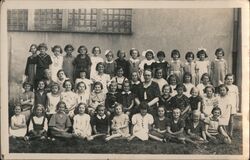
[196,130]
[30,69]
[194,102]
[81,63]
[40,99]
[101,124]
[126,99]
[164,66]
[167,105]
[148,94]
[180,102]
[125,66]
[110,100]
[134,86]
[42,63]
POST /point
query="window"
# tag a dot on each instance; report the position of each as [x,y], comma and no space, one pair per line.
[71,20]
[17,19]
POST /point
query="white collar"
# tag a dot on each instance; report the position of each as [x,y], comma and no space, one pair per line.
[146,86]
[109,61]
[134,60]
[99,117]
[137,82]
[161,62]
[173,61]
[123,92]
[222,59]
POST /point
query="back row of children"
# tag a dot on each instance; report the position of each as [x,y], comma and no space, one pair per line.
[71,65]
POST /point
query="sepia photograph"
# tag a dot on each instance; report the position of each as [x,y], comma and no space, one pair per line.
[125,80]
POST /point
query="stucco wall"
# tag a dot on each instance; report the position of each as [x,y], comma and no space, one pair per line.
[157,29]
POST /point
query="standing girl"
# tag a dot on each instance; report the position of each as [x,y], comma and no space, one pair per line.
[96,51]
[42,61]
[69,97]
[209,102]
[205,81]
[81,62]
[119,127]
[81,126]
[134,60]
[68,61]
[202,65]
[233,93]
[57,61]
[27,100]
[111,98]
[227,106]
[187,79]
[109,65]
[53,98]
[18,125]
[101,76]
[176,64]
[120,61]
[164,100]
[134,81]
[190,66]
[82,94]
[119,78]
[173,81]
[40,95]
[146,63]
[30,69]
[97,97]
[162,64]
[218,68]
[159,78]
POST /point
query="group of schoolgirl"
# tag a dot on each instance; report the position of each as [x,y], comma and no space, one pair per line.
[103,101]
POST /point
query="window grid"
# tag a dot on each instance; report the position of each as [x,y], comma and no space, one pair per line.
[48,19]
[82,20]
[17,19]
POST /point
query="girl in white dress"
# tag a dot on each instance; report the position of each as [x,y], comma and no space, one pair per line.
[57,61]
[187,79]
[204,82]
[61,77]
[233,93]
[120,123]
[95,59]
[87,81]
[141,123]
[69,97]
[203,65]
[146,63]
[53,98]
[81,126]
[82,94]
[101,77]
[18,125]
[159,79]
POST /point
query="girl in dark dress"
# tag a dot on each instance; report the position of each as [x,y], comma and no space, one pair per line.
[120,61]
[42,61]
[82,62]
[30,69]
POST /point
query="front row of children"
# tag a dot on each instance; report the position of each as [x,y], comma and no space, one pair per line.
[143,125]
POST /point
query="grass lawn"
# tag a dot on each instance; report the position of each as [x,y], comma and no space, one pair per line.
[124,147]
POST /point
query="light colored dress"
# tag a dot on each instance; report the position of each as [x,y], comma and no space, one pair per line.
[161,82]
[141,125]
[83,98]
[144,63]
[176,68]
[18,120]
[191,68]
[233,93]
[218,71]
[87,82]
[95,99]
[26,107]
[95,61]
[104,79]
[225,104]
[52,102]
[174,92]
[208,105]
[60,82]
[70,99]
[203,67]
[134,65]
[57,62]
[121,120]
[188,86]
[82,125]
[201,88]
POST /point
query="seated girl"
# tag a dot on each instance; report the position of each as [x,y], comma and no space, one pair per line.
[119,125]
[214,131]
[38,124]
[18,125]
[160,125]
[60,123]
